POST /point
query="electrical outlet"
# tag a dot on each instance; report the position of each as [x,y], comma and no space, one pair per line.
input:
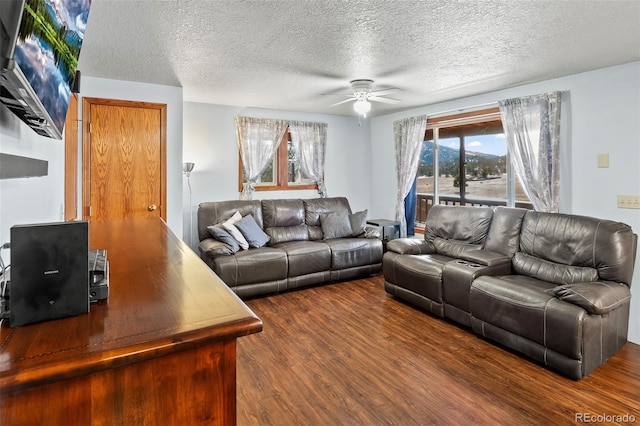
[629,201]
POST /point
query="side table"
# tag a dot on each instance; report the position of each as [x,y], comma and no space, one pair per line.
[389,229]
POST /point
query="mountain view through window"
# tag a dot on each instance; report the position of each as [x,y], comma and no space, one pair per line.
[472,167]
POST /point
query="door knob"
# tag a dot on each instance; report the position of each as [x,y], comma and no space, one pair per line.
[152,207]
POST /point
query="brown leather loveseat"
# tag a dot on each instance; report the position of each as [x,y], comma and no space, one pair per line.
[301,249]
[554,287]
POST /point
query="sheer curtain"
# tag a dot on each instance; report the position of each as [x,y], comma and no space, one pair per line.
[258,140]
[408,134]
[309,142]
[532,129]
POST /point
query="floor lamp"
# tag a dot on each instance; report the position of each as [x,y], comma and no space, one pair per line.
[186,169]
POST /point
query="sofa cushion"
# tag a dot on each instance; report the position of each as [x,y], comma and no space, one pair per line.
[251,266]
[453,248]
[596,298]
[335,225]
[306,257]
[282,234]
[252,232]
[283,213]
[573,240]
[229,225]
[351,252]
[220,234]
[504,232]
[420,274]
[527,307]
[545,270]
[316,206]
[461,223]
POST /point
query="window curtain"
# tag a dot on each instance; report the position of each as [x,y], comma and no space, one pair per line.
[309,142]
[258,140]
[410,202]
[532,129]
[408,134]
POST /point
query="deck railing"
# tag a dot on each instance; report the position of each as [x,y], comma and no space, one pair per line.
[425,202]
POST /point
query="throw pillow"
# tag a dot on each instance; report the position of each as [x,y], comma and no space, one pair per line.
[229,225]
[252,232]
[219,233]
[335,225]
[358,221]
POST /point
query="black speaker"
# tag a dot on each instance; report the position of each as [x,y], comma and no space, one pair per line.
[75,87]
[49,271]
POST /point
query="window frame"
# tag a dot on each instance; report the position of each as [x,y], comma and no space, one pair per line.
[282,162]
[466,120]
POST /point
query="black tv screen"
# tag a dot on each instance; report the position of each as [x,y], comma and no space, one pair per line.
[47,50]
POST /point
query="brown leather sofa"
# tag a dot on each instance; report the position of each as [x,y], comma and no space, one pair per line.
[553,287]
[297,254]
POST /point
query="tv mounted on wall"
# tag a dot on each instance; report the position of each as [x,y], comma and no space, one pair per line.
[39,51]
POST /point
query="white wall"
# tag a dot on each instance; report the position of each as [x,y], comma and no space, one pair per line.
[210,143]
[600,115]
[93,87]
[29,200]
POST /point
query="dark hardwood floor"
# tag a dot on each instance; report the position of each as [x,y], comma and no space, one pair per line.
[347,354]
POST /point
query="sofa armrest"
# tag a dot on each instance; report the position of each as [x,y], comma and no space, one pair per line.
[595,297]
[486,257]
[210,249]
[410,246]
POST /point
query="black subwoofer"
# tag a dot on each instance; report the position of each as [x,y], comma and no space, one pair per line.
[49,271]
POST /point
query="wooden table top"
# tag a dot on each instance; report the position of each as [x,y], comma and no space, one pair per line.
[162,299]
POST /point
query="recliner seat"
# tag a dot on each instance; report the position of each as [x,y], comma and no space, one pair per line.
[415,271]
[553,287]
[560,255]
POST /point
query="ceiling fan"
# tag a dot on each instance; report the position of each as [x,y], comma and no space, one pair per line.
[362,94]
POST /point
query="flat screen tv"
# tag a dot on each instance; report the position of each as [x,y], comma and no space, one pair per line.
[41,41]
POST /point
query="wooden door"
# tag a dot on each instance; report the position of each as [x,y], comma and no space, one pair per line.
[124,159]
[71,160]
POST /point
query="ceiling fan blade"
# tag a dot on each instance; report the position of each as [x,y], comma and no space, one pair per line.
[337,94]
[353,98]
[384,100]
[388,91]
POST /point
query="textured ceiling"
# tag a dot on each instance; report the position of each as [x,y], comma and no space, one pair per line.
[290,54]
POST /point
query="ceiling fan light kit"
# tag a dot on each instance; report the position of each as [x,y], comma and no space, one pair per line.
[362,107]
[362,95]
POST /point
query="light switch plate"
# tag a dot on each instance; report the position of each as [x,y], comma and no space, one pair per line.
[629,201]
[603,161]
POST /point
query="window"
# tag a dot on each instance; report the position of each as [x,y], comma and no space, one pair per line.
[464,161]
[283,173]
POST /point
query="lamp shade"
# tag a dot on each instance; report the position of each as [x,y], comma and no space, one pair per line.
[187,167]
[362,107]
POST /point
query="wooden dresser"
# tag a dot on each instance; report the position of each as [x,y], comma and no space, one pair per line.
[160,350]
